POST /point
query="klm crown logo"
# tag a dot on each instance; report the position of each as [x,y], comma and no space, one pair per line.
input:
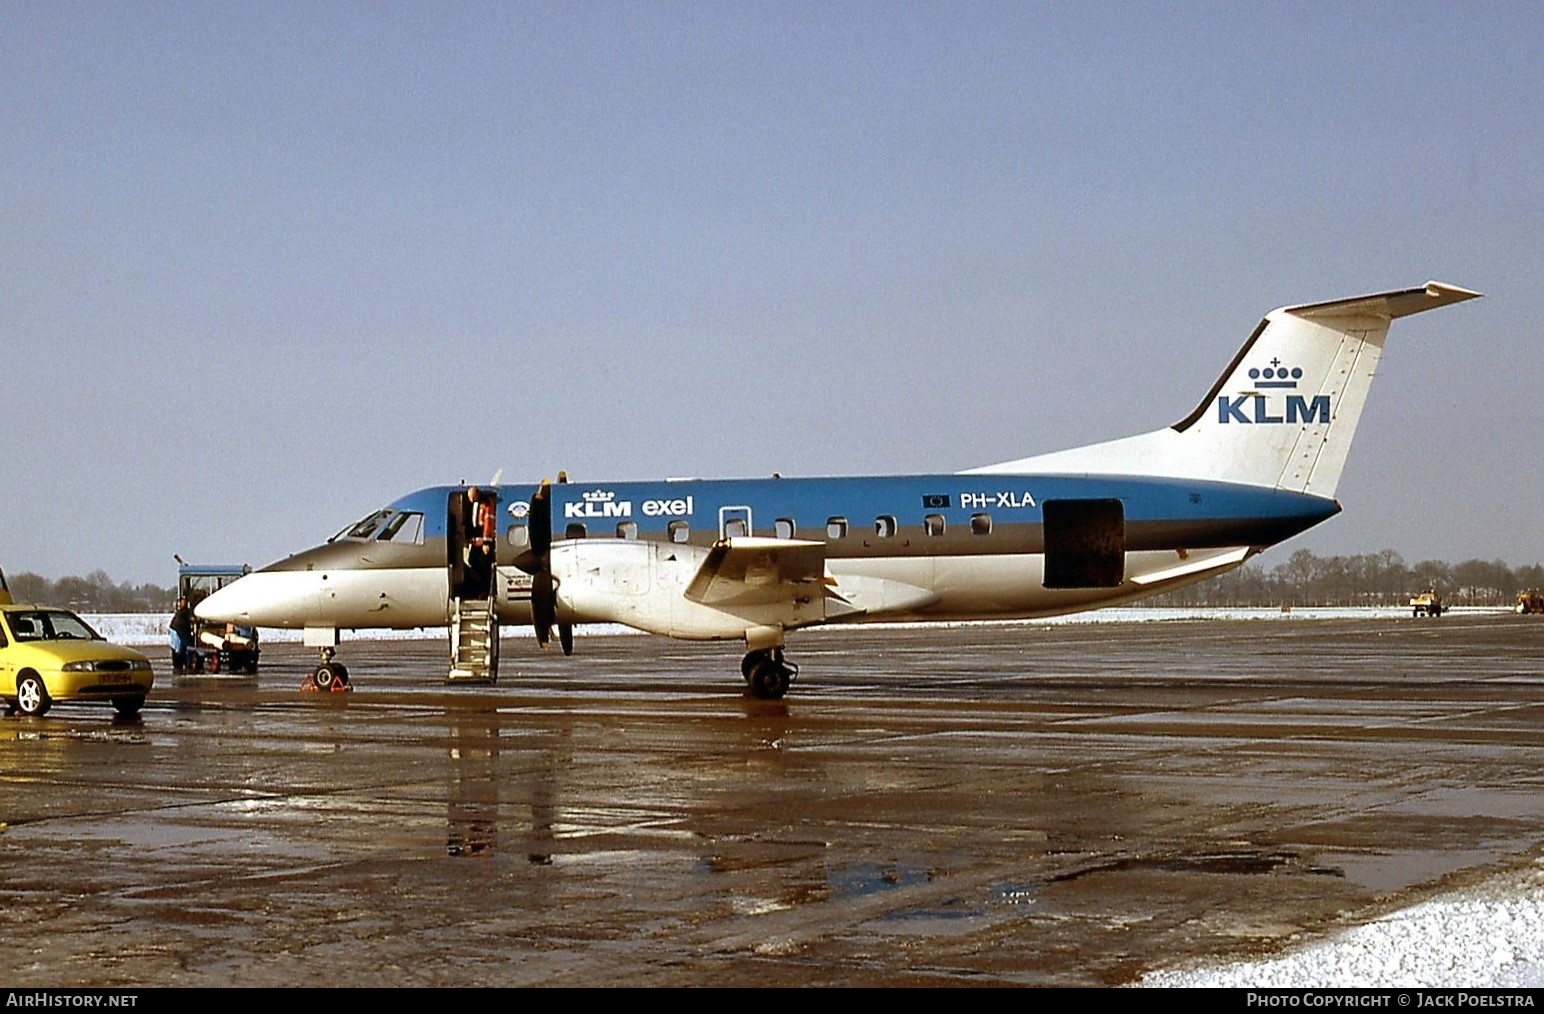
[1256,408]
[1277,375]
[598,503]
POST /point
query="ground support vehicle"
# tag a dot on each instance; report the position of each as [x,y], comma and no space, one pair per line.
[217,647]
[1428,603]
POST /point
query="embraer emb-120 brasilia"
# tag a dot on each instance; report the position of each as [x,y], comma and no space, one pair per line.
[753,559]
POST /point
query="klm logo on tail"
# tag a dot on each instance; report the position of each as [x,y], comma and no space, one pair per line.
[1258,408]
[1262,408]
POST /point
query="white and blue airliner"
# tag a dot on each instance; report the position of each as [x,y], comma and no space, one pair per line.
[752,560]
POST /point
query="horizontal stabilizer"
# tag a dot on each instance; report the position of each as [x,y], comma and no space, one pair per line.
[1389,305]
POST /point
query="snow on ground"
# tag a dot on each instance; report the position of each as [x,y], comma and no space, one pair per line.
[1491,935]
[150,628]
[1488,936]
[141,629]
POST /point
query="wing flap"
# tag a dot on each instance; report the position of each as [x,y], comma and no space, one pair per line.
[750,570]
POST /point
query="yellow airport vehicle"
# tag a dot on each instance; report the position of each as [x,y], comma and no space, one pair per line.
[1427,603]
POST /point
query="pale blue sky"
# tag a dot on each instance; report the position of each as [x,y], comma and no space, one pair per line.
[267,266]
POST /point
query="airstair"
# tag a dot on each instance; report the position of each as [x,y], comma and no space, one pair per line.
[474,642]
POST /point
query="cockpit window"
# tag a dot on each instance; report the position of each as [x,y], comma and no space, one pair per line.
[406,527]
[50,625]
[365,527]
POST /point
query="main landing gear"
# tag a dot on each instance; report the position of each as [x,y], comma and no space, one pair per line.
[767,674]
[329,677]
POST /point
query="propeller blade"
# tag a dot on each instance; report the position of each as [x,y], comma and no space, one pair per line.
[537,561]
[543,606]
[540,521]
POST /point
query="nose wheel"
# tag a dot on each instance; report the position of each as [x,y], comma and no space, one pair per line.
[767,673]
[329,677]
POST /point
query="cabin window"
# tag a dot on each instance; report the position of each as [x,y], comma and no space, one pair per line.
[734,528]
[679,531]
[836,528]
[627,529]
[981,524]
[519,536]
[934,525]
[575,530]
[784,528]
[885,526]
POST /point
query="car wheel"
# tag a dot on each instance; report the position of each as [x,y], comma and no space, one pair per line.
[32,696]
[128,707]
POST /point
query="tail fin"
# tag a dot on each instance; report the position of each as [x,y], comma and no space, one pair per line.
[1284,411]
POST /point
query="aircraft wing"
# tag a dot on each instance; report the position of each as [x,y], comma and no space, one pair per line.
[749,571]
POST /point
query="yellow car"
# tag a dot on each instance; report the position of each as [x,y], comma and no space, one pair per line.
[49,655]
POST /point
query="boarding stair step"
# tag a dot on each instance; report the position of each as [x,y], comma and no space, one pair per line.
[473,654]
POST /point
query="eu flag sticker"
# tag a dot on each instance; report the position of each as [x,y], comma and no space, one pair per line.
[934,501]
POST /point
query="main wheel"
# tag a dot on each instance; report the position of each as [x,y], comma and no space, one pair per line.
[128,707]
[32,696]
[770,679]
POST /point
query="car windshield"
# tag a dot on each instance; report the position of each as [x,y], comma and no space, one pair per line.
[50,625]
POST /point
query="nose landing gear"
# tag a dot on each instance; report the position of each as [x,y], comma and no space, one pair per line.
[329,676]
[767,673]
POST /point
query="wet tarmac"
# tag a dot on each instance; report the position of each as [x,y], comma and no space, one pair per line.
[1064,805]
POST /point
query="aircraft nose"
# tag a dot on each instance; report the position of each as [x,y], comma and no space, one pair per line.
[225,605]
[262,599]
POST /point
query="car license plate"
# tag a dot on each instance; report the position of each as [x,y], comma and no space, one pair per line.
[115,677]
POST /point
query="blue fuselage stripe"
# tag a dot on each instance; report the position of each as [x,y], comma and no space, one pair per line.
[811,503]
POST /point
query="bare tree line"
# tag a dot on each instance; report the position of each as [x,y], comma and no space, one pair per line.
[94,593]
[1366,579]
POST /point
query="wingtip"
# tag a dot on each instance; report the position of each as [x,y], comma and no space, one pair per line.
[1438,290]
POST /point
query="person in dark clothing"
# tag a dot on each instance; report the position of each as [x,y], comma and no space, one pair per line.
[481,529]
[182,635]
